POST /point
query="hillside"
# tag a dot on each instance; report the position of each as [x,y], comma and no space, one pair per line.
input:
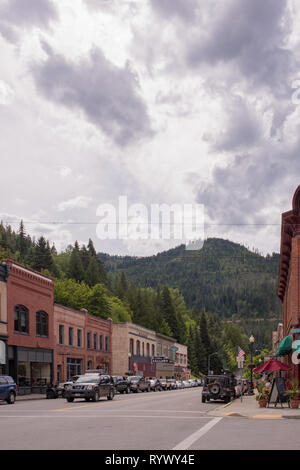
[224,278]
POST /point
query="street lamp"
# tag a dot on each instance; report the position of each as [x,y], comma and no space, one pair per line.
[251,340]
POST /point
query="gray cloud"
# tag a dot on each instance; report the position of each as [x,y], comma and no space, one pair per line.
[106,94]
[186,10]
[251,35]
[16,14]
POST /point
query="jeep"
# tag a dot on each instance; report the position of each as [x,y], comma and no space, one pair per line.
[219,387]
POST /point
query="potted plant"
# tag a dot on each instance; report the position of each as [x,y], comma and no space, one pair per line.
[263,395]
[294,394]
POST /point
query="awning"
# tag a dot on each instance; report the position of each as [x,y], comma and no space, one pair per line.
[285,346]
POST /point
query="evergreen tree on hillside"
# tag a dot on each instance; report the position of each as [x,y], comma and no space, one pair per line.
[41,255]
[75,269]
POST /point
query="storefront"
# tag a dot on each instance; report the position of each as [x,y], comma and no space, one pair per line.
[31,368]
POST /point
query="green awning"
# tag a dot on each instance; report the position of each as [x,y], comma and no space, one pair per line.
[285,346]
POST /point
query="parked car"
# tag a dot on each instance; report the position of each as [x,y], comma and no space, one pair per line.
[8,389]
[186,384]
[138,383]
[57,391]
[121,384]
[219,387]
[155,385]
[171,384]
[163,384]
[179,384]
[91,386]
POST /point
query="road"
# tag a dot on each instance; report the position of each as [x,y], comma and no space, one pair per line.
[174,420]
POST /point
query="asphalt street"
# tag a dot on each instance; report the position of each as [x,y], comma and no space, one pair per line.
[173,420]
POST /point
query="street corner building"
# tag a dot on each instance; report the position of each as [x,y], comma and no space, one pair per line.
[30,328]
[82,342]
[289,284]
[140,351]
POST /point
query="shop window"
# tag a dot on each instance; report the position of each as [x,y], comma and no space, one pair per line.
[131,346]
[138,348]
[106,344]
[153,350]
[21,319]
[148,349]
[41,323]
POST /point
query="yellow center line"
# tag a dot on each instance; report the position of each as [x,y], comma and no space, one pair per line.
[111,402]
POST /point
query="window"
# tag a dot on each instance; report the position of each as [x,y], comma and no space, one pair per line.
[41,323]
[89,364]
[95,341]
[101,342]
[153,350]
[138,348]
[106,344]
[61,334]
[143,347]
[131,345]
[59,373]
[89,340]
[21,319]
[79,338]
[148,349]
[70,336]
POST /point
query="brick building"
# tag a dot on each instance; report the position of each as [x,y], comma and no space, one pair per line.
[82,342]
[30,297]
[3,318]
[289,281]
[138,350]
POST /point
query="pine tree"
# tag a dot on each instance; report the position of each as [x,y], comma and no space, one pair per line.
[75,269]
[41,256]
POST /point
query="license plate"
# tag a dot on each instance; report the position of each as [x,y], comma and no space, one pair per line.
[77,395]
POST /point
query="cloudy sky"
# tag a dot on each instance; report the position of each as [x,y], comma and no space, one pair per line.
[161,101]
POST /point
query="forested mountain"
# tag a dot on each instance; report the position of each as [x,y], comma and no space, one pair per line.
[188,295]
[223,277]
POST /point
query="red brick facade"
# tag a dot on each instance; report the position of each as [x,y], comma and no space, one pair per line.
[30,296]
[88,345]
[289,273]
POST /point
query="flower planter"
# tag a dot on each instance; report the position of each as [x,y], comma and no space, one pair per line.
[262,403]
[294,403]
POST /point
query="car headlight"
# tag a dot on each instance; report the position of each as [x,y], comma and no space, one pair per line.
[90,387]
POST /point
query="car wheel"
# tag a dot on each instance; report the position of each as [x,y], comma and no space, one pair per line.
[50,394]
[11,398]
[203,400]
[127,390]
[111,395]
[149,389]
[87,398]
[70,399]
[96,396]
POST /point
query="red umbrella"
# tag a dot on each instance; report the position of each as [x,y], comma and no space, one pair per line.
[271,366]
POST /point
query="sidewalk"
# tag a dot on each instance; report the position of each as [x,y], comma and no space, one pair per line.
[249,408]
[31,396]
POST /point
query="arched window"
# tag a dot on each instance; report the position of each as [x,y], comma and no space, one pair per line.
[131,345]
[153,350]
[41,323]
[138,348]
[21,319]
[148,349]
[143,347]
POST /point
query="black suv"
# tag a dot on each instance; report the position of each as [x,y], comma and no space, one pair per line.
[91,386]
[219,387]
[138,383]
[121,384]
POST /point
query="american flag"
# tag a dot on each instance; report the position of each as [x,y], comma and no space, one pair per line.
[241,353]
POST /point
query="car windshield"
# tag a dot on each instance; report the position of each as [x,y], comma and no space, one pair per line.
[88,379]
